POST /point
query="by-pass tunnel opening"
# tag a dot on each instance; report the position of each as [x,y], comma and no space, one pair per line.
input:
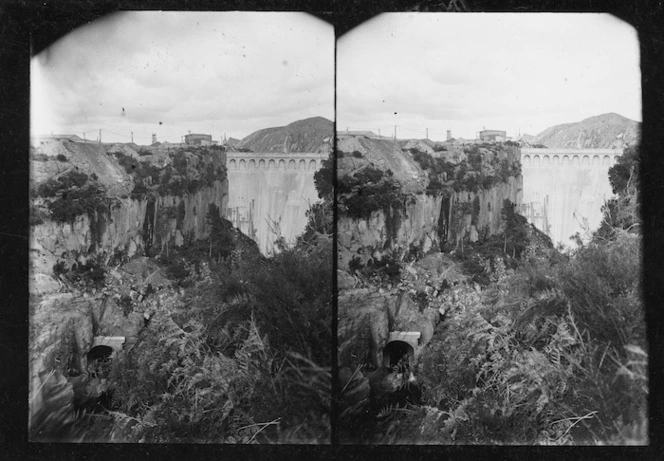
[397,353]
[99,360]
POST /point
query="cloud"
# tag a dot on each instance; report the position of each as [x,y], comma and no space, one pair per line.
[187,68]
[463,71]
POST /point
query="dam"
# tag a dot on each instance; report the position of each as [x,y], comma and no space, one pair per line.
[270,193]
[564,190]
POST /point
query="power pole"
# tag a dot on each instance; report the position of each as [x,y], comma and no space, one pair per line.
[427,133]
[132,136]
[99,135]
[395,132]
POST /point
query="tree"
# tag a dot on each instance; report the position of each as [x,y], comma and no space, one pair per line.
[622,211]
[516,235]
[221,235]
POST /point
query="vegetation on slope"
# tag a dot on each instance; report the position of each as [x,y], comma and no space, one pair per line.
[247,356]
[551,350]
[72,194]
[190,170]
[472,174]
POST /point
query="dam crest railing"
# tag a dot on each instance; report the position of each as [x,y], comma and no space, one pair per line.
[274,162]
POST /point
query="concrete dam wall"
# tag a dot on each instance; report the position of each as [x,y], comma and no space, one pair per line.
[267,189]
[564,189]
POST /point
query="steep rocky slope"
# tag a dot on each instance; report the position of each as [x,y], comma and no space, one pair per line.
[94,206]
[599,132]
[418,217]
[301,136]
[401,212]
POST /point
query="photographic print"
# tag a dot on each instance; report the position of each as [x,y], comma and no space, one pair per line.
[181,230]
[489,233]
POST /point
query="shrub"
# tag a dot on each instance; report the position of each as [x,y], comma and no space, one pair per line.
[62,158]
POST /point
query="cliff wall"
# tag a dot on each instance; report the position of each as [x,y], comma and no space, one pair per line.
[131,226]
[427,222]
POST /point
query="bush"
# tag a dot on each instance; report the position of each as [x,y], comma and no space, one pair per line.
[88,200]
[62,158]
[367,191]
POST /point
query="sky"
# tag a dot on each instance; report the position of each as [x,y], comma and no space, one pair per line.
[517,72]
[171,73]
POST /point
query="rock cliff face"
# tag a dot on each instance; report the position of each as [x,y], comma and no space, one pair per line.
[132,226]
[426,222]
[91,204]
[416,223]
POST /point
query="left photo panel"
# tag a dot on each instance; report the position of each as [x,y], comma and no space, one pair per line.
[181,188]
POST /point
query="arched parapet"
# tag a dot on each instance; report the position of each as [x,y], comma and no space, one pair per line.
[232,164]
[565,160]
[545,160]
[596,160]
[536,160]
[526,159]
[585,160]
[556,160]
[261,164]
[252,164]
[291,164]
[271,164]
[243,164]
[313,164]
[282,164]
[302,165]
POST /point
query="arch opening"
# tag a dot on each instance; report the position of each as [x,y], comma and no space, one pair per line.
[396,351]
[99,360]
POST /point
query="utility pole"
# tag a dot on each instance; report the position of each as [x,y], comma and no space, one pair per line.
[99,135]
[132,136]
[395,132]
[427,133]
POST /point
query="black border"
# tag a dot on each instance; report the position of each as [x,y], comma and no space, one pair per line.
[46,20]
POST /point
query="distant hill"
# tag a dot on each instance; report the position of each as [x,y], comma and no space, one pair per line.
[604,131]
[525,138]
[306,135]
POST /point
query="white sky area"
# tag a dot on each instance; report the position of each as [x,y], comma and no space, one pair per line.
[469,71]
[211,72]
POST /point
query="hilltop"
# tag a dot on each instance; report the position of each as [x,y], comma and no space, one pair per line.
[601,131]
[306,135]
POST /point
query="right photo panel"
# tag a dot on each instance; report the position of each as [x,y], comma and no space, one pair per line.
[489,231]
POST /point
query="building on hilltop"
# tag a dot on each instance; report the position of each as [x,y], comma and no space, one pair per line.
[198,139]
[493,135]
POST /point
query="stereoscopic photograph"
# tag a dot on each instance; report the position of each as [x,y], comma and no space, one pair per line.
[452,200]
[181,230]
